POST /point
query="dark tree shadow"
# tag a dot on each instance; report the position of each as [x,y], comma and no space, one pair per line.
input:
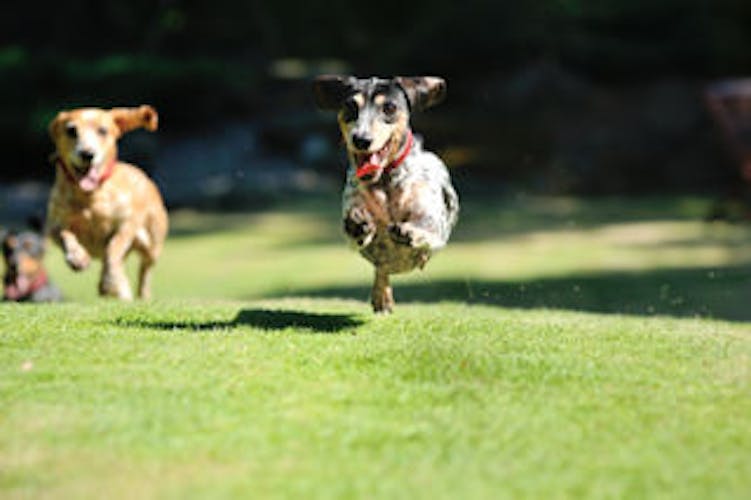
[721,293]
[265,319]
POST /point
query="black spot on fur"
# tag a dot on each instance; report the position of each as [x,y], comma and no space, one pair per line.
[448,201]
[355,229]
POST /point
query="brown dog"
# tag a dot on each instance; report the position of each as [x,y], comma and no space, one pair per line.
[100,207]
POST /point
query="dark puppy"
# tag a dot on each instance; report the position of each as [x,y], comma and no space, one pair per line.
[25,277]
[398,204]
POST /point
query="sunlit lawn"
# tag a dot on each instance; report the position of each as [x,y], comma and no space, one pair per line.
[557,348]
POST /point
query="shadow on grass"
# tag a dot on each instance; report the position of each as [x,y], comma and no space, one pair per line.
[722,293]
[265,319]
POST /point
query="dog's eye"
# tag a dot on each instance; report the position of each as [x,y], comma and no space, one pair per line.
[349,111]
[389,108]
[102,131]
[71,131]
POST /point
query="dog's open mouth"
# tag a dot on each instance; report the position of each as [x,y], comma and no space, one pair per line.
[371,164]
[90,179]
[87,176]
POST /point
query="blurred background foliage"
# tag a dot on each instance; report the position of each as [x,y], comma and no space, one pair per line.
[552,96]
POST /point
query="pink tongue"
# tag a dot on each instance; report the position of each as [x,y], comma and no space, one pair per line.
[89,182]
[369,167]
[373,159]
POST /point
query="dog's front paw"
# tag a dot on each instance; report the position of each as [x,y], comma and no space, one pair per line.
[407,234]
[399,234]
[77,258]
[361,232]
[115,285]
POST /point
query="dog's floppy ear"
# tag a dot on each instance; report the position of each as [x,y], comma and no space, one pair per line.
[331,90]
[128,119]
[57,123]
[422,92]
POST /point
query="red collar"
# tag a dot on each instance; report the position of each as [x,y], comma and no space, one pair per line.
[369,168]
[14,292]
[109,169]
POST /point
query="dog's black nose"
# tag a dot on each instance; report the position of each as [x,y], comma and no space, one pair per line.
[361,142]
[86,155]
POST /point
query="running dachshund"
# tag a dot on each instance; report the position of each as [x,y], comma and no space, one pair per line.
[398,203]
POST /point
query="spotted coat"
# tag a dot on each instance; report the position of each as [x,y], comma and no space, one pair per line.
[398,222]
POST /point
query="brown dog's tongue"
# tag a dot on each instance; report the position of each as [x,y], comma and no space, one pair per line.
[90,181]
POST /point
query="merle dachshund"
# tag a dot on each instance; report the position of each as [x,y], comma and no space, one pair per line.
[398,203]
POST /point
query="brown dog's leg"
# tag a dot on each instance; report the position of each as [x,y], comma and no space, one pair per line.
[114,282]
[149,243]
[75,255]
[382,296]
[144,276]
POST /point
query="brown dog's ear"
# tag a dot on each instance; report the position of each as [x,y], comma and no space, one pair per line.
[422,92]
[128,119]
[331,90]
[57,123]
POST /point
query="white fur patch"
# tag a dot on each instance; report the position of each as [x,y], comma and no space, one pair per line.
[142,236]
[90,114]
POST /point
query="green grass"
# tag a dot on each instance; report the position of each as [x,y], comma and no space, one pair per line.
[557,348]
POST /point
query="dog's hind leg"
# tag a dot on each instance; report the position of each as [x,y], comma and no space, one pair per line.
[144,276]
[382,296]
[149,255]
